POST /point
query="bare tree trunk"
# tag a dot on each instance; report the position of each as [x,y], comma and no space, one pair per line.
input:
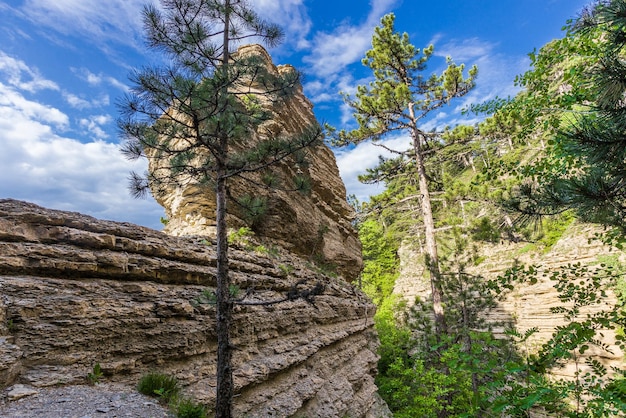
[224,307]
[432,260]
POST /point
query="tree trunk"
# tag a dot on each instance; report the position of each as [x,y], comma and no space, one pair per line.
[224,307]
[432,260]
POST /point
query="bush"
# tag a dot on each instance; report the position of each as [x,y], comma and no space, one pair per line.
[160,386]
[187,408]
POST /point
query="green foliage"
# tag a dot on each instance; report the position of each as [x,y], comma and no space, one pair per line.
[253,208]
[164,220]
[95,375]
[424,374]
[554,228]
[187,408]
[209,297]
[380,261]
[560,127]
[159,385]
[581,79]
[271,251]
[483,229]
[592,392]
[384,105]
[286,269]
[11,326]
[242,236]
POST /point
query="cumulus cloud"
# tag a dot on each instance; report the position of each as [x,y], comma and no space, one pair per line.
[354,161]
[78,102]
[496,71]
[41,164]
[333,52]
[94,125]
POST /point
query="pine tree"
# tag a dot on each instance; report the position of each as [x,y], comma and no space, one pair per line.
[397,100]
[194,119]
[584,170]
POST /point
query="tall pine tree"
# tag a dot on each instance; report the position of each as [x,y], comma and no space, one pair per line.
[195,117]
[396,101]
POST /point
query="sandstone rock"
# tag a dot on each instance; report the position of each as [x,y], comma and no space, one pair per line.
[314,225]
[20,391]
[82,291]
[527,306]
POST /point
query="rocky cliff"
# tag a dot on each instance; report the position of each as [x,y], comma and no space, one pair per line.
[312,225]
[527,306]
[76,291]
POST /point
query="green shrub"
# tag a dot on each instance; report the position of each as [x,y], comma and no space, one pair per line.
[95,375]
[187,408]
[482,229]
[241,236]
[160,386]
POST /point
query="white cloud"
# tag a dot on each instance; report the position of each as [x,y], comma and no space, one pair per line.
[79,103]
[94,79]
[101,21]
[334,51]
[464,50]
[42,165]
[16,71]
[496,71]
[12,100]
[292,17]
[94,124]
[353,162]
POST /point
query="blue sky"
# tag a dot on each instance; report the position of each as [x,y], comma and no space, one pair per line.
[64,63]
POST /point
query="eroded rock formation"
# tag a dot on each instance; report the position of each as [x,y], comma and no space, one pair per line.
[76,291]
[312,225]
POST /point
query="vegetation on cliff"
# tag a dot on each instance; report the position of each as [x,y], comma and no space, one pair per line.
[551,156]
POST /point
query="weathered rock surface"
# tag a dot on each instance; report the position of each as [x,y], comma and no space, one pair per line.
[527,306]
[316,224]
[76,291]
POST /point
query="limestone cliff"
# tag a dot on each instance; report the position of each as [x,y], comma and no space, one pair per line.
[527,306]
[317,224]
[76,291]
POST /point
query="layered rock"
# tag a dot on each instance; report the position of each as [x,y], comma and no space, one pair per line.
[76,291]
[527,306]
[312,225]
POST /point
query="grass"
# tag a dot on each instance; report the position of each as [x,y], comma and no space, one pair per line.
[167,389]
[159,385]
[187,408]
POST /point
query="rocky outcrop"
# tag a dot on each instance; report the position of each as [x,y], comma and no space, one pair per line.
[76,291]
[312,225]
[527,306]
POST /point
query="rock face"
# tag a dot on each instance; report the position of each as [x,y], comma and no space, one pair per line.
[527,306]
[317,224]
[76,291]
